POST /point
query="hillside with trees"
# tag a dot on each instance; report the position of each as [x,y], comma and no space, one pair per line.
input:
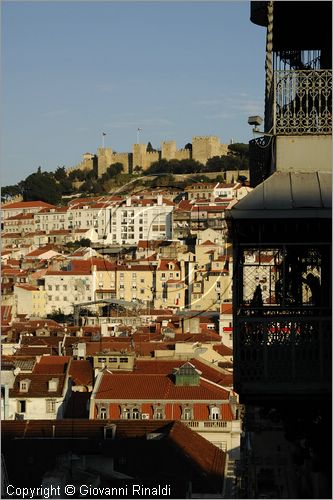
[52,186]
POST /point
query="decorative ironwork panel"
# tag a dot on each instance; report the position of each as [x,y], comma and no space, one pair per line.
[283,324]
[283,276]
[303,102]
[260,156]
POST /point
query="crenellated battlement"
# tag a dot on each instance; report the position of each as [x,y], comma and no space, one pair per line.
[203,148]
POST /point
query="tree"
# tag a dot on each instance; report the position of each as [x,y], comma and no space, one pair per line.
[239,149]
[41,186]
[85,242]
[150,148]
[60,174]
[8,192]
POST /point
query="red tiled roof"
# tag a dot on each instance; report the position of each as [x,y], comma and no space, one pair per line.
[158,387]
[6,314]
[19,217]
[163,265]
[35,351]
[38,386]
[81,371]
[30,288]
[52,365]
[226,308]
[54,210]
[41,250]
[28,204]
[223,350]
[161,366]
[208,243]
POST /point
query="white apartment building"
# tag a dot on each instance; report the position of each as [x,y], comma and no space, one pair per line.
[94,216]
[51,219]
[139,219]
[64,289]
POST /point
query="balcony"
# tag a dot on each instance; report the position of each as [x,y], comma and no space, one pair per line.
[208,425]
[299,104]
[302,102]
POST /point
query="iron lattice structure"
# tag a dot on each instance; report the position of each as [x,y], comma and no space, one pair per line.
[302,102]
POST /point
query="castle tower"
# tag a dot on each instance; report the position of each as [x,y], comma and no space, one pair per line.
[140,156]
[205,147]
[104,160]
[169,150]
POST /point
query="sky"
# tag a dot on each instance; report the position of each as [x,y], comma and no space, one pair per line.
[73,70]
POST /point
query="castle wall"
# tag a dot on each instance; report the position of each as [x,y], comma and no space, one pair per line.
[125,159]
[104,156]
[183,154]
[87,163]
[205,147]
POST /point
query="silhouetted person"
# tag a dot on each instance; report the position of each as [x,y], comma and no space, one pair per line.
[313,283]
[257,298]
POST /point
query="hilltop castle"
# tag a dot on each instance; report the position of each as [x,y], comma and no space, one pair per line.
[202,149]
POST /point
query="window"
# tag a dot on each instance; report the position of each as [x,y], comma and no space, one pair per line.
[65,298]
[103,413]
[187,414]
[57,287]
[101,360]
[24,385]
[21,406]
[159,414]
[123,360]
[113,360]
[50,406]
[214,413]
[50,287]
[135,414]
[64,287]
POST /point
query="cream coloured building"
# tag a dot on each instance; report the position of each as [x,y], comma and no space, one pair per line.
[30,300]
[135,282]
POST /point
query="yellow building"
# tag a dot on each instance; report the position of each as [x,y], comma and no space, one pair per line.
[135,282]
[30,300]
[170,284]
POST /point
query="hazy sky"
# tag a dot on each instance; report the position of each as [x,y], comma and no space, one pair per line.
[72,70]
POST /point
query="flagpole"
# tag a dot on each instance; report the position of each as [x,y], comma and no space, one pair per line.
[103,135]
[137,135]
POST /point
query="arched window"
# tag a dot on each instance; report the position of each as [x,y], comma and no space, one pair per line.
[103,413]
[214,413]
[187,414]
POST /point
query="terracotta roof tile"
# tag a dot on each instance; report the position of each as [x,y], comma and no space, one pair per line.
[52,365]
[81,371]
[38,385]
[27,204]
[158,387]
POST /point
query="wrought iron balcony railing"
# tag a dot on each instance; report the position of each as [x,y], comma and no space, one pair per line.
[301,102]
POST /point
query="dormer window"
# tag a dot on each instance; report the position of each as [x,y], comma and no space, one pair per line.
[187,412]
[24,385]
[53,384]
[214,413]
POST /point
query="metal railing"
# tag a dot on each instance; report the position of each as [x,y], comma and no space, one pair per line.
[301,102]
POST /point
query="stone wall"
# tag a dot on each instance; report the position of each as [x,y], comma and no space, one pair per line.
[203,148]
